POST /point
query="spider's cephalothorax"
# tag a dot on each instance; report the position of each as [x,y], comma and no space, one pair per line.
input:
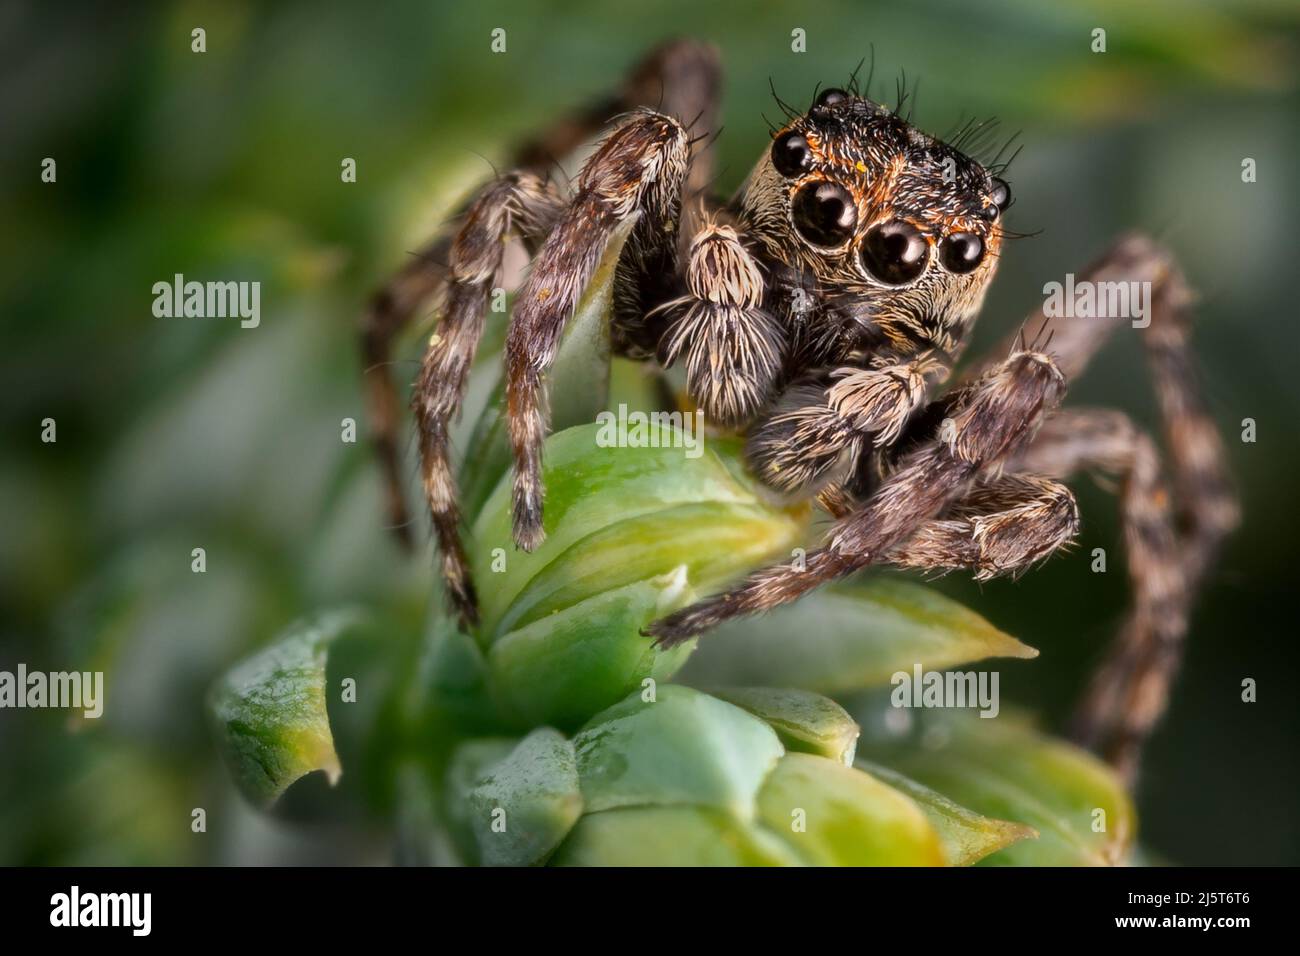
[819,312]
[896,232]
[876,243]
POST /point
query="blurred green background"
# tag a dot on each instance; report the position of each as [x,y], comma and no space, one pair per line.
[175,434]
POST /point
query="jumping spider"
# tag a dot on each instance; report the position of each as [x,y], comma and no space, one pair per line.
[819,311]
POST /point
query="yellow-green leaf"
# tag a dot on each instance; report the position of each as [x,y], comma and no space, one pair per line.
[1004,768]
[614,516]
[670,836]
[804,721]
[269,711]
[849,636]
[967,836]
[833,815]
[633,534]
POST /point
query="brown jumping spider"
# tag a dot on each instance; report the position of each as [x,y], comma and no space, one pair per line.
[819,311]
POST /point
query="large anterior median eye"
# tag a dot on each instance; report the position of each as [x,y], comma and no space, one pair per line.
[895,252]
[791,154]
[824,213]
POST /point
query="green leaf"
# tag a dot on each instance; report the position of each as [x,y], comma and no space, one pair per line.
[967,836]
[849,636]
[269,711]
[419,839]
[567,666]
[1004,768]
[527,803]
[684,748]
[615,516]
[669,836]
[452,692]
[804,721]
[634,533]
[470,763]
[833,815]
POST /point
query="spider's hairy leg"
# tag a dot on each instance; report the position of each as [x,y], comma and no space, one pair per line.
[680,77]
[733,348]
[1129,692]
[1171,544]
[637,171]
[389,311]
[420,282]
[815,425]
[992,419]
[1003,526]
[1206,509]
[517,202]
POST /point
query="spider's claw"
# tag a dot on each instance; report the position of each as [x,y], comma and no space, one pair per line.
[465,607]
[526,518]
[681,626]
[667,633]
[462,601]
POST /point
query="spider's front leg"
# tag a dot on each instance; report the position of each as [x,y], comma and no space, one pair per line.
[637,171]
[992,419]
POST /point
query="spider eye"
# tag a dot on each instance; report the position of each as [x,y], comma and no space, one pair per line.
[896,253]
[824,213]
[830,97]
[961,252]
[791,154]
[1000,194]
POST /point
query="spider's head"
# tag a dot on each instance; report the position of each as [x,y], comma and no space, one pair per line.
[895,227]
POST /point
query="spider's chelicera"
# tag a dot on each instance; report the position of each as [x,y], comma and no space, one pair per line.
[820,312]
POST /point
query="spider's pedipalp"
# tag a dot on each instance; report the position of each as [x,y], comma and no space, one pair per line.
[815,424]
[638,171]
[796,446]
[734,348]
